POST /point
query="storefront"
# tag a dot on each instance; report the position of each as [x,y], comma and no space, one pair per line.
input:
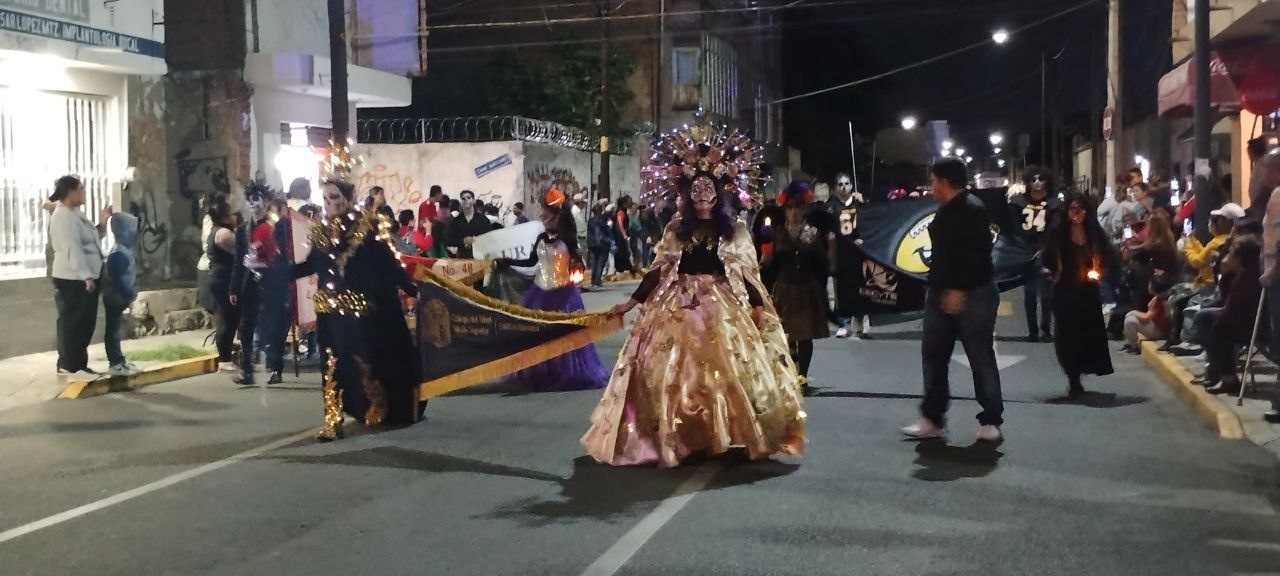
[63,109]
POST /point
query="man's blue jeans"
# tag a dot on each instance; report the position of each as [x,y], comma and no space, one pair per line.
[1037,287]
[974,327]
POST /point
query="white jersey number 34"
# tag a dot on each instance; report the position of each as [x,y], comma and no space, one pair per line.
[1033,218]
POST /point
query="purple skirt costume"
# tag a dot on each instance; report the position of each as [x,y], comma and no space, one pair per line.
[576,370]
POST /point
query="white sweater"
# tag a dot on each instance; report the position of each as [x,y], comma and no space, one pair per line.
[77,249]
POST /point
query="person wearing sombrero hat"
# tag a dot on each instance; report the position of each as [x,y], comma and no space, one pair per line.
[555,289]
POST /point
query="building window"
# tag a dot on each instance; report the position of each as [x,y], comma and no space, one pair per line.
[43,136]
[720,77]
[686,70]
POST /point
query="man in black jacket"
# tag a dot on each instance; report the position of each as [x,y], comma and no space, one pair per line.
[1033,213]
[464,228]
[961,304]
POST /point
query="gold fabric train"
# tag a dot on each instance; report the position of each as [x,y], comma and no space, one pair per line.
[696,374]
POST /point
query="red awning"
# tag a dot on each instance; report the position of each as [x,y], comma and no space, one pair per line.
[1178,88]
[1255,71]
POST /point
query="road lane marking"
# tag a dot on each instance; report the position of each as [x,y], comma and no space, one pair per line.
[145,489]
[617,555]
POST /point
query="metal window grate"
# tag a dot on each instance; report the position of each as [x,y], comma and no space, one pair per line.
[45,135]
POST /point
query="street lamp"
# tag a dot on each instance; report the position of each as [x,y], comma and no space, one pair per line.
[908,122]
[996,150]
[947,144]
[1000,162]
[959,151]
[1000,36]
[996,138]
[968,159]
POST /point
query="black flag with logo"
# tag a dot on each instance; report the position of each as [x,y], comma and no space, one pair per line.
[888,271]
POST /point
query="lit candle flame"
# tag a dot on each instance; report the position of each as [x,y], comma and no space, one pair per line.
[576,277]
[1094,275]
[767,221]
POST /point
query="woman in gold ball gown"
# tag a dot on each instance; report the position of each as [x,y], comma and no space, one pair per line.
[706,367]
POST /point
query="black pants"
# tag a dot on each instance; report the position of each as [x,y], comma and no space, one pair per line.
[1037,287]
[264,302]
[227,314]
[77,316]
[974,327]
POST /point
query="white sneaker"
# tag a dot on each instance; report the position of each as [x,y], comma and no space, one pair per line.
[84,376]
[227,367]
[132,366]
[121,369]
[842,333]
[989,433]
[924,429]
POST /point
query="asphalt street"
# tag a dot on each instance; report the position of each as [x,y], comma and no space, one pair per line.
[202,477]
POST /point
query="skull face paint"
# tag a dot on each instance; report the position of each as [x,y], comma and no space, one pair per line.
[467,200]
[335,202]
[703,191]
[257,205]
[844,185]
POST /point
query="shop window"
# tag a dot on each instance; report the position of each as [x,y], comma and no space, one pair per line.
[44,136]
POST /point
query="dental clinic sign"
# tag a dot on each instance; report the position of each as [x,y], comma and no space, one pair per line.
[34,25]
[77,10]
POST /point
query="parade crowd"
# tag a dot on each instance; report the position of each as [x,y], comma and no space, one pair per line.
[734,290]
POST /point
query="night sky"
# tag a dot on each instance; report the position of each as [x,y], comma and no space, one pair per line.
[991,87]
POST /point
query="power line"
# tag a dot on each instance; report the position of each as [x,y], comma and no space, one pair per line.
[933,59]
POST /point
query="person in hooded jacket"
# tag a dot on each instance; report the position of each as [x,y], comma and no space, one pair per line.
[120,289]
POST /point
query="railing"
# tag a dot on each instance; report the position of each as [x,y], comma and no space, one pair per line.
[478,129]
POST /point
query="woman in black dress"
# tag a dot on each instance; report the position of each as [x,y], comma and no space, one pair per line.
[371,368]
[1077,256]
[797,267]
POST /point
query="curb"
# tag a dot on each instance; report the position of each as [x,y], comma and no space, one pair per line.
[158,374]
[1216,414]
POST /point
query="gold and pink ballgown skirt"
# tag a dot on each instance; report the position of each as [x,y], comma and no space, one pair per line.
[697,376]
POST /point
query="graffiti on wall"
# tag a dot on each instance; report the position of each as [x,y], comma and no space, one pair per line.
[401,190]
[542,178]
[153,234]
[199,177]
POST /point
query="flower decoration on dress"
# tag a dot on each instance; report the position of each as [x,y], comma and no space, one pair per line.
[728,157]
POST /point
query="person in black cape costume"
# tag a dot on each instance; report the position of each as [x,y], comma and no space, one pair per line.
[1077,255]
[371,368]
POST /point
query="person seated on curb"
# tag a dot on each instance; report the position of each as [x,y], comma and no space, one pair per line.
[1153,323]
[1199,306]
[1233,325]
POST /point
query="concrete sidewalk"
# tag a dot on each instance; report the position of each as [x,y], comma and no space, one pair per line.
[33,378]
[1232,421]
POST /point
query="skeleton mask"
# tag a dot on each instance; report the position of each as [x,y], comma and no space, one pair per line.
[468,201]
[257,205]
[844,186]
[703,191]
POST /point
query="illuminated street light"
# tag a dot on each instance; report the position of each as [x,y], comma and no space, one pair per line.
[908,122]
[1000,162]
[996,150]
[947,144]
[996,138]
[968,159]
[959,151]
[1000,36]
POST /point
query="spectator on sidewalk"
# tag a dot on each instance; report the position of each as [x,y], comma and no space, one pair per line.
[77,265]
[1152,323]
[1201,256]
[220,248]
[622,237]
[1233,324]
[119,289]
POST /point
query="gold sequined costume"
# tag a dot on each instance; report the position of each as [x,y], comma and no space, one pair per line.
[696,375]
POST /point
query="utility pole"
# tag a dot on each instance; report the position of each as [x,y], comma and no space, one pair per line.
[1200,64]
[338,82]
[1114,101]
[603,7]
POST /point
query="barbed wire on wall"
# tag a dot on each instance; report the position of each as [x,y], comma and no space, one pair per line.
[478,129]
